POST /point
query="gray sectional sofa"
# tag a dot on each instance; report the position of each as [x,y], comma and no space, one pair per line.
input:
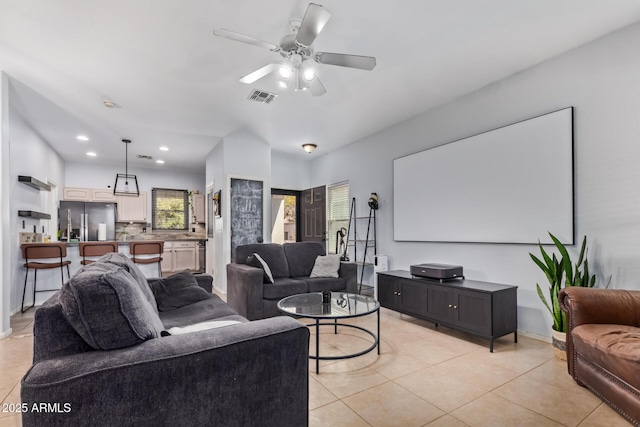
[102,356]
[291,265]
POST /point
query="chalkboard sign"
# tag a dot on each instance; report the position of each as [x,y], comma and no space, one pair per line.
[246,213]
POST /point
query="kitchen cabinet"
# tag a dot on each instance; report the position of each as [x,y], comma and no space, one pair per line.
[198,208]
[88,194]
[488,310]
[179,255]
[132,208]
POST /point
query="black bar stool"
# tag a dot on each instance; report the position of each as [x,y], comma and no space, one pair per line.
[31,251]
[148,248]
[95,249]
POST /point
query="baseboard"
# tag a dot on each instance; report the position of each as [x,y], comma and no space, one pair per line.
[5,333]
[535,336]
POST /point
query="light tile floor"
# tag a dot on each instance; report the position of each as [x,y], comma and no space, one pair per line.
[423,377]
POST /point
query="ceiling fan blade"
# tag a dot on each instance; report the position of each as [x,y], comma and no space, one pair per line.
[316,87]
[343,60]
[232,35]
[315,18]
[258,74]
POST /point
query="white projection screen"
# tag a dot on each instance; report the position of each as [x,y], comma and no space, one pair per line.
[513,184]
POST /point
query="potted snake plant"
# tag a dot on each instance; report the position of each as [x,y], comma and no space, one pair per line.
[574,275]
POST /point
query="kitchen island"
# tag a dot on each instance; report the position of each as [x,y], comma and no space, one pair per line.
[179,254]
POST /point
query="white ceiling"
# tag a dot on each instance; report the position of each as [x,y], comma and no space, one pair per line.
[177,84]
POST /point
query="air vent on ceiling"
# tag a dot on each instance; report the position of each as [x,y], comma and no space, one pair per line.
[263,97]
[142,156]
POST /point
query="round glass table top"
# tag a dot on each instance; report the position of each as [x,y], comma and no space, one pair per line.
[342,305]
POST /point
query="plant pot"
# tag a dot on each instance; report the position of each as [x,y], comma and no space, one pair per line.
[559,342]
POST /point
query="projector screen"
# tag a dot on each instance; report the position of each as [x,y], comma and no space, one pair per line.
[513,184]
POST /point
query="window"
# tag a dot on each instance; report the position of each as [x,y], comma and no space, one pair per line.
[170,209]
[337,214]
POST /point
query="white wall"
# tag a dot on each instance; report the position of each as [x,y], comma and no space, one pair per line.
[30,155]
[5,227]
[230,159]
[92,174]
[289,172]
[601,81]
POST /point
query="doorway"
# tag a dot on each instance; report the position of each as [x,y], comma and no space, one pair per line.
[313,224]
[285,214]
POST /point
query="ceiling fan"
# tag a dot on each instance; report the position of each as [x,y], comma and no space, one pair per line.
[297,50]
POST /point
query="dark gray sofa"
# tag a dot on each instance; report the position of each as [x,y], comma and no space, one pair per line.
[291,265]
[245,374]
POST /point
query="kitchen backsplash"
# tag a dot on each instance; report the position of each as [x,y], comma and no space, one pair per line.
[135,232]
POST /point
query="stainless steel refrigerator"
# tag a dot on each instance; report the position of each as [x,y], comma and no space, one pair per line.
[81,220]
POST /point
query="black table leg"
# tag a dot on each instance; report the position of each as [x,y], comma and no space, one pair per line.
[378,331]
[317,346]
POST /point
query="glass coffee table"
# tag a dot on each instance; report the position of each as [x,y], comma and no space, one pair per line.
[341,306]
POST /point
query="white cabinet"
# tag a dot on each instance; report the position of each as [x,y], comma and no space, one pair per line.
[132,208]
[179,256]
[198,208]
[185,256]
[88,194]
[102,195]
[167,258]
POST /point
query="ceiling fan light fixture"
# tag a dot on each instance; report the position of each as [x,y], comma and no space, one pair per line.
[309,148]
[309,74]
[284,71]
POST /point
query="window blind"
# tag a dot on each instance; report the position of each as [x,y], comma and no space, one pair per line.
[337,211]
[170,209]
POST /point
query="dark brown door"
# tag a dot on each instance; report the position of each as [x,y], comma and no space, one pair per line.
[313,205]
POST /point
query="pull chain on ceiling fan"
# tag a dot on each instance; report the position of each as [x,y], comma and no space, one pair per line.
[296,50]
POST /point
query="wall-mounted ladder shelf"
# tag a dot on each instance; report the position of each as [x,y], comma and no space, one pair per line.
[367,245]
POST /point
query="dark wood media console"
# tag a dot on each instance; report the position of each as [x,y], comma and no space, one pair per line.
[488,310]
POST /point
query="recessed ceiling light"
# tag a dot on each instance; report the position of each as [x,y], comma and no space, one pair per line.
[109,103]
[91,154]
[163,148]
[82,138]
[160,161]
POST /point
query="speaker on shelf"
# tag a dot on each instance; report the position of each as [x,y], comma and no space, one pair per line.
[380,263]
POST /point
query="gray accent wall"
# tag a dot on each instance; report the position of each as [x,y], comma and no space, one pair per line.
[601,80]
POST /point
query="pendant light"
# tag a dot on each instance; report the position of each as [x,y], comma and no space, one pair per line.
[126,185]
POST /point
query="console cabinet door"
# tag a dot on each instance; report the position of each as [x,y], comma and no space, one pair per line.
[387,291]
[440,303]
[413,297]
[472,311]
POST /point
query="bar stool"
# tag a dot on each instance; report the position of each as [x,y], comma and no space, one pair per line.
[31,251]
[148,248]
[95,249]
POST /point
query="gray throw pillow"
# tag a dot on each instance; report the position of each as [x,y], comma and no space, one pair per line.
[326,266]
[121,260]
[106,307]
[177,290]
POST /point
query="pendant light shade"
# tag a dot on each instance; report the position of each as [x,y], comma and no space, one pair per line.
[126,185]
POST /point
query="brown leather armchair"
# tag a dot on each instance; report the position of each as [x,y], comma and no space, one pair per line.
[603,345]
